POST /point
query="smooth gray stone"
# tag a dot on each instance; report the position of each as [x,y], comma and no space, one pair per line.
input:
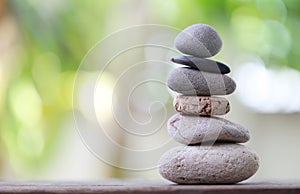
[202,64]
[189,81]
[189,129]
[199,40]
[206,164]
[201,105]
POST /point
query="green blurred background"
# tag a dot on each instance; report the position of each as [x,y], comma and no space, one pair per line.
[43,42]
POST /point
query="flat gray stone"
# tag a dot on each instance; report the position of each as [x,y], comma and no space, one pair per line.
[199,40]
[189,81]
[188,129]
[206,164]
[201,105]
[202,64]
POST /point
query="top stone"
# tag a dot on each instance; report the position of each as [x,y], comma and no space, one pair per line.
[199,40]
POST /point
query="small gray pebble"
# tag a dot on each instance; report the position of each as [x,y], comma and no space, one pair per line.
[199,40]
[206,164]
[187,129]
[202,64]
[189,81]
[201,105]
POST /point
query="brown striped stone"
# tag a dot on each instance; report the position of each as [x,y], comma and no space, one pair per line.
[201,105]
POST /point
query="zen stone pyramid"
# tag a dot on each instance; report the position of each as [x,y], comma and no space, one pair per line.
[212,153]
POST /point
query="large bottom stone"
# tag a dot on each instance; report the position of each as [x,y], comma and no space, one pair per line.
[205,164]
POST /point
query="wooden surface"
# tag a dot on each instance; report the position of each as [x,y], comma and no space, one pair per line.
[147,186]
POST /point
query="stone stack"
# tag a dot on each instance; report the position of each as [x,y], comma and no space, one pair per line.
[212,154]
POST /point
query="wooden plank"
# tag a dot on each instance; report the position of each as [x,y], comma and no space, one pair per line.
[147,186]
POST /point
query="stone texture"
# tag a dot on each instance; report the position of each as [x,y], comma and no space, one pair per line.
[201,105]
[187,129]
[199,40]
[193,82]
[202,64]
[205,164]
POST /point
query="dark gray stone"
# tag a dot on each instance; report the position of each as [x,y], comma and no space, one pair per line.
[199,40]
[189,81]
[202,64]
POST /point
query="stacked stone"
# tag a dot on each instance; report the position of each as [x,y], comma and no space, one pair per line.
[212,154]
